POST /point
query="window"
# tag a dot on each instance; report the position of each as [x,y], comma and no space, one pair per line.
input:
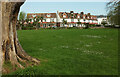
[48,25]
[84,17]
[44,20]
[72,20]
[43,25]
[51,20]
[48,15]
[64,16]
[33,15]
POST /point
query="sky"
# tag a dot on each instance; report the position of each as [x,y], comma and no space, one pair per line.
[68,0]
[95,7]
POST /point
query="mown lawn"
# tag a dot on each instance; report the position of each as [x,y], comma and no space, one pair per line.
[71,51]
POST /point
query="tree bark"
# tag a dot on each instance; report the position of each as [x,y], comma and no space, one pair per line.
[11,49]
[0,41]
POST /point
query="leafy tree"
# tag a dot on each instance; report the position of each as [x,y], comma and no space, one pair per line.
[84,20]
[64,22]
[113,9]
[36,21]
[41,18]
[28,22]
[104,22]
[22,16]
[78,22]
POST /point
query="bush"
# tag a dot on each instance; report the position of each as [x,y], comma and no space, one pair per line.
[28,28]
[98,25]
[86,26]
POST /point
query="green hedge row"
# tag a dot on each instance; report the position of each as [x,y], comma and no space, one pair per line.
[28,28]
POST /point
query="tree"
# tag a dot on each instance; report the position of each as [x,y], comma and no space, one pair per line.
[64,22]
[104,22]
[113,9]
[10,47]
[86,25]
[28,21]
[79,23]
[21,19]
[41,18]
[0,40]
[84,22]
[18,25]
[36,21]
[22,16]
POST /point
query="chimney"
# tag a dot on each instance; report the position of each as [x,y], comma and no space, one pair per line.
[88,14]
[57,12]
[71,11]
[82,13]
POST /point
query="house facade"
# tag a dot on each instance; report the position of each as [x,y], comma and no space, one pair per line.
[75,19]
[48,19]
[63,19]
[101,18]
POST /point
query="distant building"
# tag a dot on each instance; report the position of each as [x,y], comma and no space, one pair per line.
[101,18]
[73,18]
[57,19]
[49,19]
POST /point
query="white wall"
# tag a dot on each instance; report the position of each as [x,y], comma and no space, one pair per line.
[55,19]
[100,20]
[47,19]
[75,20]
[81,20]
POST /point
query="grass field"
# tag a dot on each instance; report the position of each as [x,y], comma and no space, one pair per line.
[71,51]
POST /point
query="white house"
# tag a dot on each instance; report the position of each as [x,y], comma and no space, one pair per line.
[101,18]
[64,19]
[73,19]
[49,19]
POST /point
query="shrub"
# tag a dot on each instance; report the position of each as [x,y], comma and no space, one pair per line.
[28,28]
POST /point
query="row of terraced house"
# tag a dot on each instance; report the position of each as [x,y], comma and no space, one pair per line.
[64,19]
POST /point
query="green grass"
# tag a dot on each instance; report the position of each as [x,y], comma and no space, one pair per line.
[71,51]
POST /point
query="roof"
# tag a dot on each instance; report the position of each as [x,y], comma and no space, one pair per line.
[76,15]
[101,16]
[65,15]
[68,15]
[44,15]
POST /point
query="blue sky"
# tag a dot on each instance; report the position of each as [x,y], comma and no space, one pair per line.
[93,7]
[67,0]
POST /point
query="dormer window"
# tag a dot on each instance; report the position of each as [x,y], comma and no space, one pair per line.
[91,17]
[52,20]
[48,15]
[84,17]
[64,16]
[33,15]
[88,17]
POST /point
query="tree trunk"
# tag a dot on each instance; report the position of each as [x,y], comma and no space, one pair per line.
[0,41]
[11,49]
